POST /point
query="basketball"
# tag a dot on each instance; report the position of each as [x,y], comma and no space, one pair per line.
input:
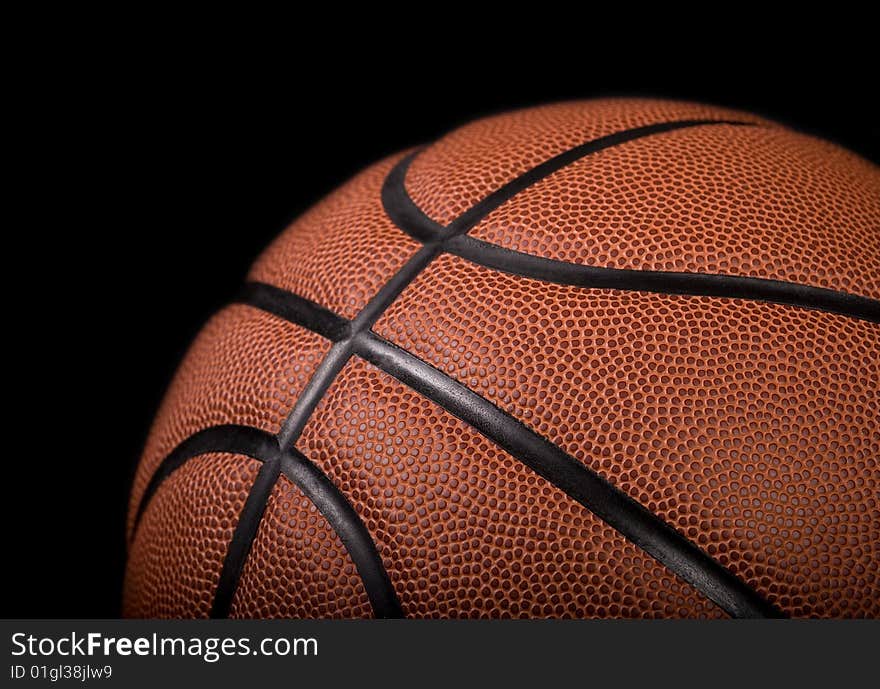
[614,358]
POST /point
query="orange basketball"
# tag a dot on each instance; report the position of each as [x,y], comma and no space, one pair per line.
[612,358]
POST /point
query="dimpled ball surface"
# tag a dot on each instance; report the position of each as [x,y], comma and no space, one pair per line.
[750,427]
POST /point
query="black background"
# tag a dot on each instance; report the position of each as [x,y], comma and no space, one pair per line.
[154,185]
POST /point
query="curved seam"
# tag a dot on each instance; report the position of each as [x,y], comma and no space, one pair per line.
[473,215]
[745,287]
[229,438]
[416,224]
[246,528]
[305,312]
[344,340]
[319,382]
[333,505]
[669,547]
[610,504]
[347,524]
[408,212]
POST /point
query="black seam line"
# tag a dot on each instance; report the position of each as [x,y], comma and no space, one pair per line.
[663,282]
[350,529]
[473,215]
[302,311]
[611,505]
[243,537]
[401,209]
[310,397]
[643,528]
[333,505]
[417,224]
[239,440]
[392,289]
[414,222]
[316,318]
[341,351]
